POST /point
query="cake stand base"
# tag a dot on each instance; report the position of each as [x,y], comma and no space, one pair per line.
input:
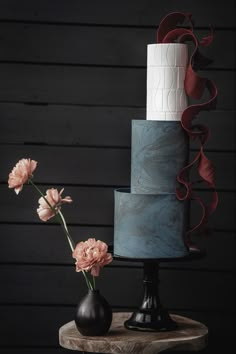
[140,321]
[151,316]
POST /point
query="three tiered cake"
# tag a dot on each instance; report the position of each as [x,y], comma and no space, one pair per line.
[150,222]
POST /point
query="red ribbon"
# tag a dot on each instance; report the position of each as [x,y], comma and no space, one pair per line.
[195,86]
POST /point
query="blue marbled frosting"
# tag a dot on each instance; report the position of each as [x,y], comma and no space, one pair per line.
[159,150]
[149,226]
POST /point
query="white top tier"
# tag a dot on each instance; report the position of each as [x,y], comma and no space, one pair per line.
[166,69]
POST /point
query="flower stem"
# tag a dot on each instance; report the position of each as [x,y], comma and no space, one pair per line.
[94,282]
[89,285]
[71,242]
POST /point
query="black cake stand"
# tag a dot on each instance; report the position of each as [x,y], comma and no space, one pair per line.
[151,315]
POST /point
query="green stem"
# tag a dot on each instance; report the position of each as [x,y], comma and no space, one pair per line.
[71,242]
[89,285]
[94,282]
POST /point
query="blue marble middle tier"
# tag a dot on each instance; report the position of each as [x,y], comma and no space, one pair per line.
[159,150]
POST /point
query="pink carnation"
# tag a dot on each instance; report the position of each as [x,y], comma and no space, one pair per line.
[55,199]
[21,174]
[91,255]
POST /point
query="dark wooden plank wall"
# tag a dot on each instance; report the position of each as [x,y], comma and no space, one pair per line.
[73,76]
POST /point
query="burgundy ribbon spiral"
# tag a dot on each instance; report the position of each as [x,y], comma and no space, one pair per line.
[195,87]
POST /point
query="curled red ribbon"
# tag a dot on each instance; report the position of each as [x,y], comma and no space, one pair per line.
[195,87]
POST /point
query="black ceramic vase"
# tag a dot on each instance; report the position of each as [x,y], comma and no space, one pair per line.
[93,314]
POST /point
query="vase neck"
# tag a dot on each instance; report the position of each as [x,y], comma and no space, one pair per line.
[93,291]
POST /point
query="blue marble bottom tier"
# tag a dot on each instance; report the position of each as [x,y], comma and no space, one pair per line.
[149,226]
[159,151]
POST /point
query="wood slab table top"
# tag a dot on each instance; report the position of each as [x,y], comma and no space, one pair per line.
[190,335]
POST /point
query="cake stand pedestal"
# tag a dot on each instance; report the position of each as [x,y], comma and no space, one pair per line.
[151,315]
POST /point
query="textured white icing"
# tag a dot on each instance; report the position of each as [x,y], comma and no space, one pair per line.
[166,69]
[167,54]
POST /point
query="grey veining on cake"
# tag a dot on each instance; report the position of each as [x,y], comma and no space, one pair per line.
[159,152]
[149,226]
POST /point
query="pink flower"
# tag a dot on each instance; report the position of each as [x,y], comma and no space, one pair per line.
[55,200]
[91,255]
[21,174]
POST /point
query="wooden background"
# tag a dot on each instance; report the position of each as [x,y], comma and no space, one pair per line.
[72,77]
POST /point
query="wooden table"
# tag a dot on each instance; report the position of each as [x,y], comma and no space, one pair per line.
[190,335]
